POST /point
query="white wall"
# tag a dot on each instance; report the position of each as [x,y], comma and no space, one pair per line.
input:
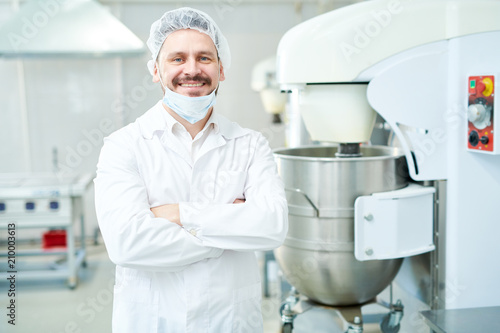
[73,103]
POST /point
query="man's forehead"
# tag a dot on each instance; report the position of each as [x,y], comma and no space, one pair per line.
[179,50]
[188,40]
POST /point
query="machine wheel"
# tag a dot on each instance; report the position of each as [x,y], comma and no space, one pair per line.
[287,328]
[386,327]
[72,282]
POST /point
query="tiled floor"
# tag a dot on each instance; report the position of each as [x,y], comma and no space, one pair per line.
[48,306]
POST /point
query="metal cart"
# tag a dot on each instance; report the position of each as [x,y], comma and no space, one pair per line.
[44,201]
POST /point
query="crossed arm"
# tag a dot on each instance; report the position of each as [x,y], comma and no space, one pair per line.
[171,212]
[138,236]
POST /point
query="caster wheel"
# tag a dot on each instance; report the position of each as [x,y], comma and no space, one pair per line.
[386,327]
[287,328]
[72,283]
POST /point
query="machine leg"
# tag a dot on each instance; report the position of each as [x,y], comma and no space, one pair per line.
[82,239]
[356,326]
[287,317]
[71,252]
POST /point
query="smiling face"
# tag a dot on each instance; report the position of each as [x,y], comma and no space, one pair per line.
[188,64]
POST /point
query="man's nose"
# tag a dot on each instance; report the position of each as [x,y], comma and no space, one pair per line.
[192,67]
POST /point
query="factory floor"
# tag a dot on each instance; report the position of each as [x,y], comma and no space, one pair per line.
[49,306]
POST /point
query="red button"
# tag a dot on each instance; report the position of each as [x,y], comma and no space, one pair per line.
[480,86]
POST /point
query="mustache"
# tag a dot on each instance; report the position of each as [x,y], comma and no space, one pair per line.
[196,78]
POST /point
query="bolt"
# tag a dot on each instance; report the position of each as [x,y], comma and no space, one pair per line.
[368,217]
[369,251]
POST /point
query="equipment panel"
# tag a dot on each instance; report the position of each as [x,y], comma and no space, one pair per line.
[480,114]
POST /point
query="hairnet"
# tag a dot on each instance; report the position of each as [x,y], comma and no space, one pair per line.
[186,18]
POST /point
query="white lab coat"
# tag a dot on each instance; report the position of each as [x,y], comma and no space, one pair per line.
[202,277]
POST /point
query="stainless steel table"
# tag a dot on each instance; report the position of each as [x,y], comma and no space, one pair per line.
[486,319]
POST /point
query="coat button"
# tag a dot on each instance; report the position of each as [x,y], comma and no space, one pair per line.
[192,232]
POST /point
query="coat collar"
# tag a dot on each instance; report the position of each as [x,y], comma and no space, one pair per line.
[154,122]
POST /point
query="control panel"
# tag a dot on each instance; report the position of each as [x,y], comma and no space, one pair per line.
[480,114]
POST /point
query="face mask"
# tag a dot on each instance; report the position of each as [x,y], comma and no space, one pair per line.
[193,109]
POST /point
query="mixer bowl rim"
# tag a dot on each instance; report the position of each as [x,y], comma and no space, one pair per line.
[393,153]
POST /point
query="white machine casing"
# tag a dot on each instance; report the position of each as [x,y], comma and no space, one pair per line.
[417,58]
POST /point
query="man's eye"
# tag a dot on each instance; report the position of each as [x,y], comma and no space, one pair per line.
[204,59]
[177,59]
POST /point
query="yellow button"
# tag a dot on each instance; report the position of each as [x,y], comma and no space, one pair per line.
[488,87]
[192,232]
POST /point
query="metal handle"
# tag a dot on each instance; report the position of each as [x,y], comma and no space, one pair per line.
[296,190]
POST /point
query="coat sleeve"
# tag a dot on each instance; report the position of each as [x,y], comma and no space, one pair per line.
[133,237]
[261,223]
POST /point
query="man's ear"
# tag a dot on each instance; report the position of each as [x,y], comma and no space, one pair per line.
[156,74]
[222,77]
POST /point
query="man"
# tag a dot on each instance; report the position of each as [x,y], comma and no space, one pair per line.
[184,196]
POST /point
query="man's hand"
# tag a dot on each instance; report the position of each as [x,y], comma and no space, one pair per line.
[169,212]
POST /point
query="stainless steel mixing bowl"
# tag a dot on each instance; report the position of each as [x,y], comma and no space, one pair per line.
[317,257]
